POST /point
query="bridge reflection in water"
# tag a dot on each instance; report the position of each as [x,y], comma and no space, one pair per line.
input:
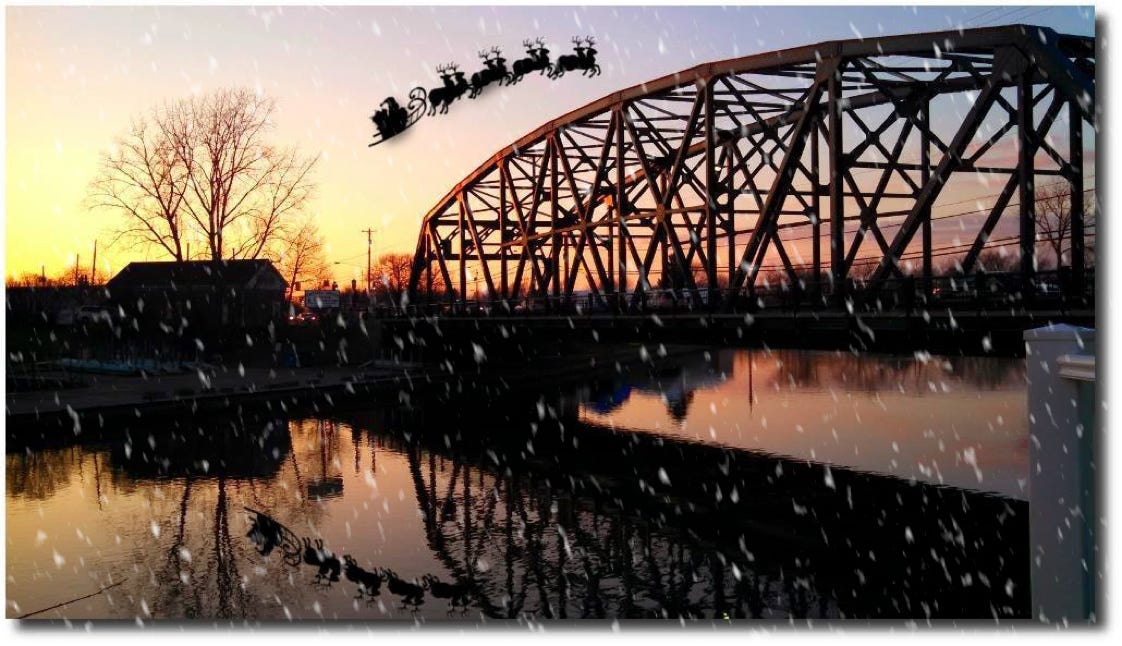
[533,511]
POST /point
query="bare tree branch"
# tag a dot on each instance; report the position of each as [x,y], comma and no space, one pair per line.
[203,165]
[299,255]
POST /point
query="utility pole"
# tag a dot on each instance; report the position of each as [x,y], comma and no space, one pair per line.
[369,245]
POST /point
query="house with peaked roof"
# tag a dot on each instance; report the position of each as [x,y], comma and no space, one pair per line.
[204,293]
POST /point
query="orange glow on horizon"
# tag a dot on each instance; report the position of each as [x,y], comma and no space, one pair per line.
[76,76]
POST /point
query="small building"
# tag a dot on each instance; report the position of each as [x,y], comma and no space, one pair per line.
[252,292]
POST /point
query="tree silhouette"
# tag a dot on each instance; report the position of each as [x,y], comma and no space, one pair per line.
[1054,221]
[389,276]
[299,256]
[205,165]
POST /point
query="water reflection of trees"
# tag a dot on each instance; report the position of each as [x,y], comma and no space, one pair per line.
[796,369]
[202,574]
[190,487]
[677,379]
[39,475]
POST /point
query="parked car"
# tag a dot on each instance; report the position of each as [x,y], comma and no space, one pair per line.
[303,318]
[92,314]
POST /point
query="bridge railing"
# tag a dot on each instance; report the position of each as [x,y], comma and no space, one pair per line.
[1049,290]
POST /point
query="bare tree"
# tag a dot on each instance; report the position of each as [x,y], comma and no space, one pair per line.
[390,275]
[29,279]
[71,275]
[862,270]
[998,260]
[140,179]
[1054,221]
[204,164]
[299,256]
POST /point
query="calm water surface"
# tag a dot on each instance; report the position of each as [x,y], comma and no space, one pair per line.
[730,484]
[959,421]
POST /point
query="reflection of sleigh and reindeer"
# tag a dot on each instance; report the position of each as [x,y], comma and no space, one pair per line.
[392,119]
[268,534]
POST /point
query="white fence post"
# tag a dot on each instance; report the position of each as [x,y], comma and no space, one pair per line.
[1062,516]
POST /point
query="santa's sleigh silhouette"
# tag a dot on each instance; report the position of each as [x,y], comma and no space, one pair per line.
[392,120]
[267,534]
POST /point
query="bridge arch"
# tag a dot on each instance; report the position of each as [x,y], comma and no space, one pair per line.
[817,171]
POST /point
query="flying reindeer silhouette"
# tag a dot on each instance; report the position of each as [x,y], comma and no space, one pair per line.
[584,59]
[538,60]
[451,90]
[495,71]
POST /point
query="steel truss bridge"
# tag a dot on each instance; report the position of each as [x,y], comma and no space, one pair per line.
[820,172]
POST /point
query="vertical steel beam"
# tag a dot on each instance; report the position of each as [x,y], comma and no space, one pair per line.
[428,268]
[730,215]
[924,178]
[710,196]
[1078,245]
[567,288]
[664,258]
[837,187]
[504,250]
[462,255]
[621,207]
[1026,188]
[612,214]
[555,247]
[815,221]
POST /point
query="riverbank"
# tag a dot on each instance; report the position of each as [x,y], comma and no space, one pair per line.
[55,415]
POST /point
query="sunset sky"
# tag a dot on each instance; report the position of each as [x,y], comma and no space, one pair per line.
[75,76]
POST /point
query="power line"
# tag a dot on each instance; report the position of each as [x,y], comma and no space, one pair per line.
[981,15]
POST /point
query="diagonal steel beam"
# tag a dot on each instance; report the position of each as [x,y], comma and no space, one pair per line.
[782,183]
[1008,64]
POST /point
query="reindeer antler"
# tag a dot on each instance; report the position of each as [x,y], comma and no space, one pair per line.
[526,43]
[575,40]
[496,51]
[591,41]
[484,54]
[539,41]
[453,67]
[441,69]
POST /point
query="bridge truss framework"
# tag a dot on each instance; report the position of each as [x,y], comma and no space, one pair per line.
[711,177]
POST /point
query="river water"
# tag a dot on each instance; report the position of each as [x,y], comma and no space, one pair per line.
[722,484]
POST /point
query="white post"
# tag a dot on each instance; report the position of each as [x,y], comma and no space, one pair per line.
[1062,476]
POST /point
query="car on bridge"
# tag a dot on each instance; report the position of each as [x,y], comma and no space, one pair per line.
[530,306]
